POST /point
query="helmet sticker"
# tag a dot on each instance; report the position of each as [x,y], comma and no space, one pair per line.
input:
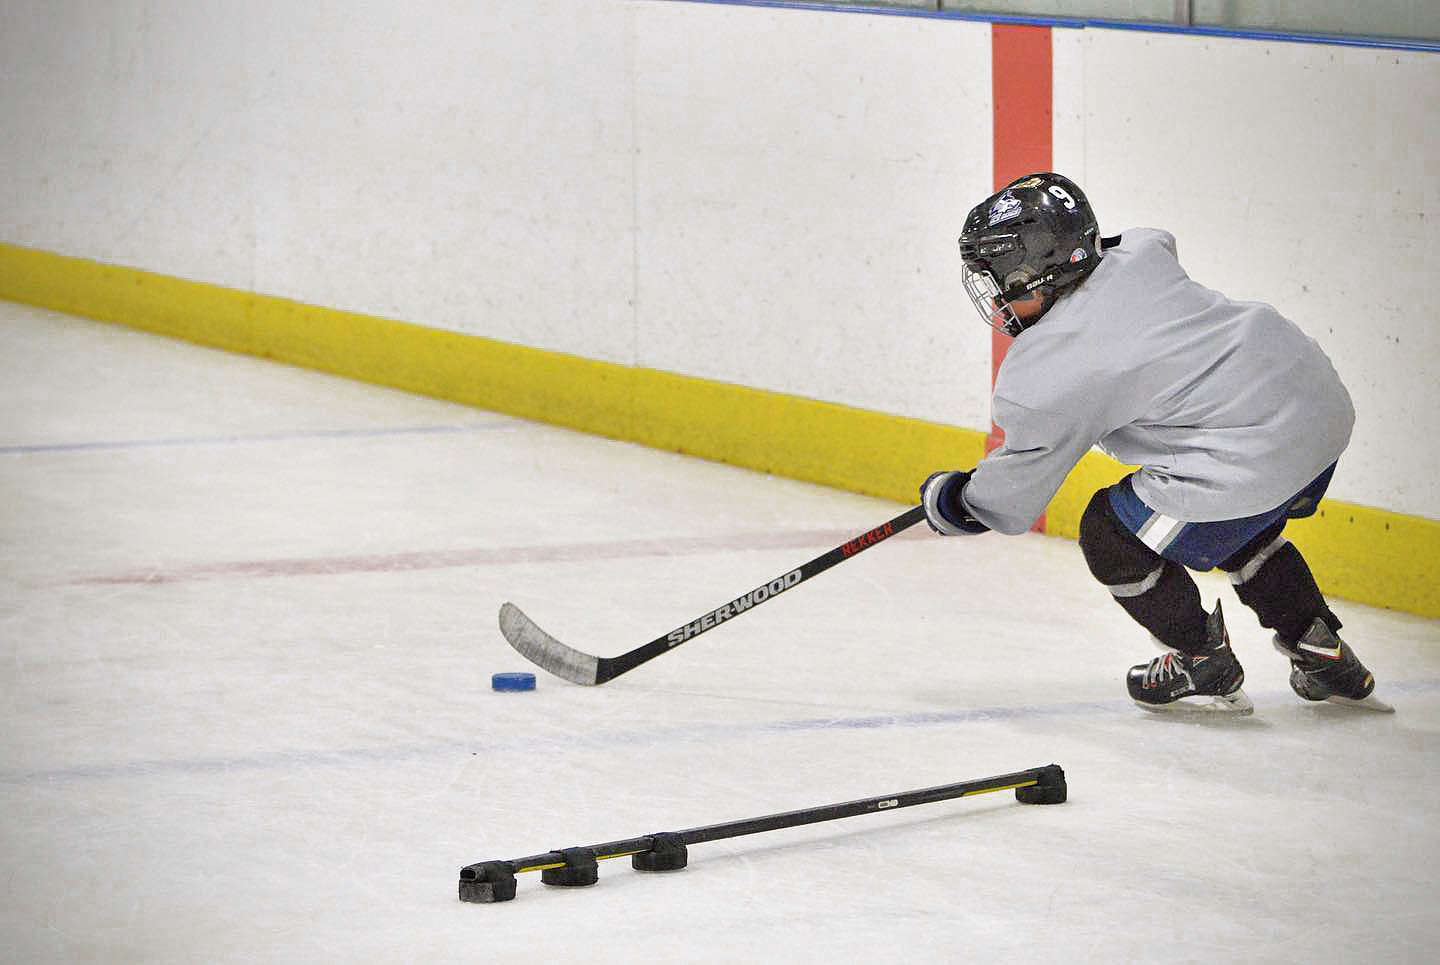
[1064,196]
[1007,206]
[1078,255]
[1034,182]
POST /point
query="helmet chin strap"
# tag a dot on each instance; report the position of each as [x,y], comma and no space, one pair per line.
[1005,307]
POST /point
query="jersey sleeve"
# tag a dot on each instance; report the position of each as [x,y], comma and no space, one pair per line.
[1011,486]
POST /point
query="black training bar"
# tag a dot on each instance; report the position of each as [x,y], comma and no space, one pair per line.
[489,881]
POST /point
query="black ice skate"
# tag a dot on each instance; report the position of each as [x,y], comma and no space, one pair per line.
[1209,680]
[1323,667]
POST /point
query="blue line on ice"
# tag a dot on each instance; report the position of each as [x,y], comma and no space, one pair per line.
[530,742]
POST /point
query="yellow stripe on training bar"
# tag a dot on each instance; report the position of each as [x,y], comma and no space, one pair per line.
[1358,553]
[598,857]
[539,867]
[1007,787]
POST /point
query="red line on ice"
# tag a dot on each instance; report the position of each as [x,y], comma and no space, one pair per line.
[818,540]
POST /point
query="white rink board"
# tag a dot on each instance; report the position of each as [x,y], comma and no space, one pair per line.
[802,181]
[762,196]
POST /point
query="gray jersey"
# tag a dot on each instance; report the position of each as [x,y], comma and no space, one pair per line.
[1227,407]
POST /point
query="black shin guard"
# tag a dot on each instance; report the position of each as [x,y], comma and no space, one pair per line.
[1157,593]
[1170,609]
[1273,579]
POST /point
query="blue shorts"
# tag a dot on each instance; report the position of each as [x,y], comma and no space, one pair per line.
[1203,546]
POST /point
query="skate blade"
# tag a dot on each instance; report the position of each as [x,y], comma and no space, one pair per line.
[1364,703]
[1235,702]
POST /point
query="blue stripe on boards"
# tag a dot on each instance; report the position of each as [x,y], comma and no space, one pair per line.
[1241,33]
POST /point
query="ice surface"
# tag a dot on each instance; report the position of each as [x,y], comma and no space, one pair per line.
[248,617]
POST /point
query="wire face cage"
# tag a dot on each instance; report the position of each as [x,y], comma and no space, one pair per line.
[985,296]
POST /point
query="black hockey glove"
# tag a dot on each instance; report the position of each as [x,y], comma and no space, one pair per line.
[944,510]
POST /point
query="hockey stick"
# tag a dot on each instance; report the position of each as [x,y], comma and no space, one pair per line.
[545,651]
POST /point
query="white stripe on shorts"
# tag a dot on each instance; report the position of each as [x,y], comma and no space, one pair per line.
[1159,531]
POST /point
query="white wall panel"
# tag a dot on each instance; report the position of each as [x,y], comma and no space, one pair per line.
[1068,49]
[456,164]
[124,134]
[802,181]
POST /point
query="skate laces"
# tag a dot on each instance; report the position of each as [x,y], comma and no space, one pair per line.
[1164,667]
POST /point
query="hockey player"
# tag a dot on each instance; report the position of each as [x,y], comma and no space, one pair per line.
[1235,417]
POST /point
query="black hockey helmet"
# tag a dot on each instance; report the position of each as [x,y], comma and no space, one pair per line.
[1037,234]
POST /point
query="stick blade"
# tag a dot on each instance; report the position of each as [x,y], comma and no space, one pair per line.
[545,651]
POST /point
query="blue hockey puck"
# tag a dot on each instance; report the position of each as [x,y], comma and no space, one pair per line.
[512,681]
